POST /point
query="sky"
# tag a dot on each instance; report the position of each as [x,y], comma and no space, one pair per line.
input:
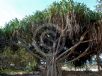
[10,9]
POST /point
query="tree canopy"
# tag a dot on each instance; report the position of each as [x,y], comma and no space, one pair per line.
[79,19]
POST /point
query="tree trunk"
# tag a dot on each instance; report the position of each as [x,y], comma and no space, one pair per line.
[98,61]
[52,68]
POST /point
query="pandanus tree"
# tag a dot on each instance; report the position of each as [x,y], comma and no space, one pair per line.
[8,30]
[72,32]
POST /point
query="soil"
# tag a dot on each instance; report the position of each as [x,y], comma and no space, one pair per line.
[66,73]
[81,73]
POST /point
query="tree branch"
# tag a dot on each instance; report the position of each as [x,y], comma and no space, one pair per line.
[22,44]
[81,55]
[72,48]
[38,50]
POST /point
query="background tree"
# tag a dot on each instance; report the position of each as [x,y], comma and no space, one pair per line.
[99,6]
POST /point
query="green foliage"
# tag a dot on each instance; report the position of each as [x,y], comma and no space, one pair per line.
[18,60]
[2,39]
[11,26]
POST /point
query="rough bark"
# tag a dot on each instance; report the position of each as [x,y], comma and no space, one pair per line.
[52,68]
